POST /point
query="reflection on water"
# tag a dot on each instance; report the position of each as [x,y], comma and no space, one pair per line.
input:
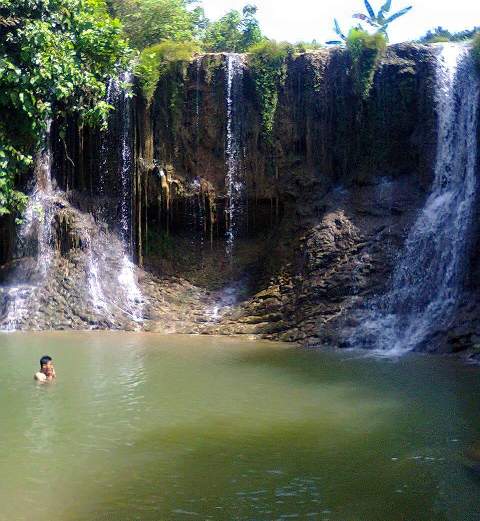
[147,427]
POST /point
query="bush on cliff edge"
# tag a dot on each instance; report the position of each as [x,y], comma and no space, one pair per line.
[155,61]
[268,63]
[365,50]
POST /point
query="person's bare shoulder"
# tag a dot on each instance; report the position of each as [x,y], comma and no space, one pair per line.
[40,377]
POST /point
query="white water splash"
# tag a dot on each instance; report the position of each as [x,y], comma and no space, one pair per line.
[35,233]
[97,296]
[427,281]
[127,279]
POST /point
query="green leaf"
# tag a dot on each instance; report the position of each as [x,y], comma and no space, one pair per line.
[338,30]
[370,10]
[397,15]
[385,9]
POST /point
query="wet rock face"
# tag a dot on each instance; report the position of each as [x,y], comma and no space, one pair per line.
[329,201]
[343,258]
[323,132]
[343,178]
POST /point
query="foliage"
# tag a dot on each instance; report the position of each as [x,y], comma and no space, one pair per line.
[439,34]
[379,21]
[365,50]
[55,56]
[268,63]
[147,22]
[155,61]
[307,46]
[234,32]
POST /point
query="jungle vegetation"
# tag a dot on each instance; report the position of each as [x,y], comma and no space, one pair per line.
[57,55]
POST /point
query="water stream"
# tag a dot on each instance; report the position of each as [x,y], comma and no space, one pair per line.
[132,303]
[234,179]
[34,239]
[105,253]
[428,278]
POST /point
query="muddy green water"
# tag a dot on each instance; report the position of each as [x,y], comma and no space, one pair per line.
[147,427]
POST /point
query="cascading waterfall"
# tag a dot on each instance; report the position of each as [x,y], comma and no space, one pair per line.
[234,178]
[35,237]
[235,185]
[111,97]
[132,305]
[427,281]
[198,71]
[126,167]
[127,274]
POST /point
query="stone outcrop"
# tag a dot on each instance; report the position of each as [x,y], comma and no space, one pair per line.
[329,198]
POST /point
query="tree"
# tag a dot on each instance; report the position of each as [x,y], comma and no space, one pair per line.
[439,34]
[225,34]
[234,32]
[55,59]
[251,32]
[148,22]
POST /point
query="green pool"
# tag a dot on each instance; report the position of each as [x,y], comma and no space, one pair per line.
[154,428]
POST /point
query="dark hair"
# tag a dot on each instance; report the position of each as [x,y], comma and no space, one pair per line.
[45,359]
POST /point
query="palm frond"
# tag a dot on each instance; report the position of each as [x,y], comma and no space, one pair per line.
[370,10]
[397,15]
[366,19]
[338,30]
[385,9]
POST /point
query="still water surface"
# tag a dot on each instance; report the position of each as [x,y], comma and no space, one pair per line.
[154,428]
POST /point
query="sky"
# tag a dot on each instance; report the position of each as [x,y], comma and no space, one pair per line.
[305,20]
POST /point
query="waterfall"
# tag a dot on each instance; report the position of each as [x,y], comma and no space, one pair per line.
[132,301]
[111,98]
[427,281]
[126,169]
[234,181]
[198,71]
[127,276]
[35,237]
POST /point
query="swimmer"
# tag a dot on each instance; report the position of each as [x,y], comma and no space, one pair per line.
[47,371]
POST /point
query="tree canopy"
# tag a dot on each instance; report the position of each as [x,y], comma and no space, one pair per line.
[55,58]
[235,32]
[440,34]
[147,22]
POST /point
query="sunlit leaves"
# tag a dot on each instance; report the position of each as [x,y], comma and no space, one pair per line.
[55,58]
[268,63]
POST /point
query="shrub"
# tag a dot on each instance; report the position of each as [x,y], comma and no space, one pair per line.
[268,63]
[365,50]
[155,61]
[302,47]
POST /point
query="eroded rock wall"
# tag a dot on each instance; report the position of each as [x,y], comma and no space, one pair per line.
[329,197]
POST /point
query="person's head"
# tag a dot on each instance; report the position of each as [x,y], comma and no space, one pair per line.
[45,363]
